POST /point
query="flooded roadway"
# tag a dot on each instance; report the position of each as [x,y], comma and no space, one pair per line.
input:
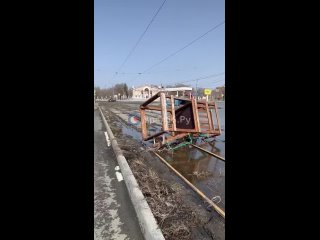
[203,170]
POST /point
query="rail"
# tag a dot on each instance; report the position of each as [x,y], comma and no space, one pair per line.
[201,194]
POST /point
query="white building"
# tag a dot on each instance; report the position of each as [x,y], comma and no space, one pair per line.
[148,91]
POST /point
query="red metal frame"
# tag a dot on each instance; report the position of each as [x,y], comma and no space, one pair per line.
[202,117]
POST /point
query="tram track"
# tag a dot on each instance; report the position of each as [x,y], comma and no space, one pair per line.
[202,195]
[211,153]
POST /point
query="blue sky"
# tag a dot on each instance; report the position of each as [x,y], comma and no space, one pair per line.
[118,24]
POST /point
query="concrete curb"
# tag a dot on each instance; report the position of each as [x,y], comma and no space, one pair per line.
[147,222]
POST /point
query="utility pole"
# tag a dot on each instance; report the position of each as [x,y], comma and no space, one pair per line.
[196,89]
[113,87]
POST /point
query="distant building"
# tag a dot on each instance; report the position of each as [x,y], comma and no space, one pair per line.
[147,91]
[218,93]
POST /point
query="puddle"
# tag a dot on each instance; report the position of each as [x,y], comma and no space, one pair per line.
[129,131]
[203,170]
[216,147]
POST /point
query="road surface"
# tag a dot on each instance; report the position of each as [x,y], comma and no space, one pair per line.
[114,216]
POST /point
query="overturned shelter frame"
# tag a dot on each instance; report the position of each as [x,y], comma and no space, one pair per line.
[191,116]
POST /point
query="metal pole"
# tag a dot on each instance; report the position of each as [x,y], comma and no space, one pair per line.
[211,153]
[215,206]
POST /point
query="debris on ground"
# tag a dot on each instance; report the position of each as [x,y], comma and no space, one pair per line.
[177,213]
[173,217]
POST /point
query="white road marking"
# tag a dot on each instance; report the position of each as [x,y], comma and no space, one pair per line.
[119,176]
[110,224]
[117,168]
[107,138]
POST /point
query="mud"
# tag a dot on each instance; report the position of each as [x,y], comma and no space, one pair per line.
[179,211]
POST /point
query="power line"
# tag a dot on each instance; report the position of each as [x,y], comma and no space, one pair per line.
[218,81]
[200,78]
[174,53]
[199,87]
[211,83]
[139,73]
[141,36]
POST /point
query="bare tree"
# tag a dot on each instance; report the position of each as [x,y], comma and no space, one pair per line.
[125,89]
[120,88]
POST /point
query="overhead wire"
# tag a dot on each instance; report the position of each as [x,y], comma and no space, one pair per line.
[181,49]
[184,47]
[201,78]
[141,36]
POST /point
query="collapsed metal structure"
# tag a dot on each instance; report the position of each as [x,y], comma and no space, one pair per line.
[180,118]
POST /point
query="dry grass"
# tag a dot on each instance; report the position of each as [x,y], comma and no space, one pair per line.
[173,217]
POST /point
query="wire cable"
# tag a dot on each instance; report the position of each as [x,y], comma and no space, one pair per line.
[181,49]
[141,36]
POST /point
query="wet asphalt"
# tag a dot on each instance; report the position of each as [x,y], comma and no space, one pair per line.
[114,215]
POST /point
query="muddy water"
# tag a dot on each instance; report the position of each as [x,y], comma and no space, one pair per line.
[203,170]
[129,131]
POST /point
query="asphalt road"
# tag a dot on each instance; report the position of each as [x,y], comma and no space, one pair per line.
[114,215]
